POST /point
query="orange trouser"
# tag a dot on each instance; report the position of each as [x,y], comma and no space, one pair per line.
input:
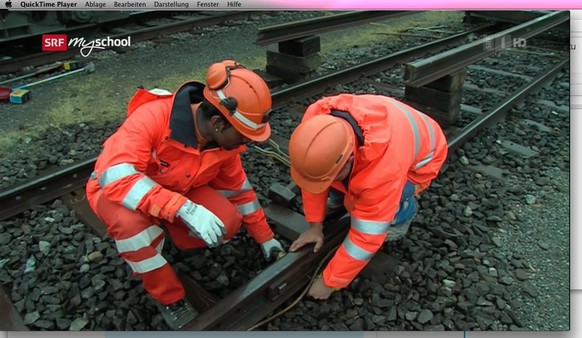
[139,238]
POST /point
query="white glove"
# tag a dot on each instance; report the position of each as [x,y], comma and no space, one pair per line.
[271,247]
[202,222]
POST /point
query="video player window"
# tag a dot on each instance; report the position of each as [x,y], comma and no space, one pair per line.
[412,174]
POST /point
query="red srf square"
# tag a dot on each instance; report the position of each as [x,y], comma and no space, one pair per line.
[54,42]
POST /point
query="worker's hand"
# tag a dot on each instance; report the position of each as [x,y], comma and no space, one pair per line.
[319,290]
[271,248]
[312,235]
[202,222]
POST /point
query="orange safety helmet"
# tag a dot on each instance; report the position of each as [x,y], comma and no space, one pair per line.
[242,97]
[318,149]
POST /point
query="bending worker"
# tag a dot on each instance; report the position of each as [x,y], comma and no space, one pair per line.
[175,163]
[379,153]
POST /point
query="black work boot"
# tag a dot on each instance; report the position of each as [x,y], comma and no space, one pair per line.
[177,314]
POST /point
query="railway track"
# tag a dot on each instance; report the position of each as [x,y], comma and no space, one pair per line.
[282,280]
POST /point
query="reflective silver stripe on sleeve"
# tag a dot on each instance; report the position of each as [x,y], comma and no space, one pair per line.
[428,157]
[414,127]
[231,193]
[148,265]
[416,132]
[116,172]
[248,208]
[370,227]
[137,192]
[355,251]
[140,240]
[430,132]
[424,161]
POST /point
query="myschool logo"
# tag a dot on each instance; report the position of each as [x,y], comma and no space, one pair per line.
[61,43]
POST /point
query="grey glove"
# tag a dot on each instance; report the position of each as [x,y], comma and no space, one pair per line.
[202,222]
[271,248]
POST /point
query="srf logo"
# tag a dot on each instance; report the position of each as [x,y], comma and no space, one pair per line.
[54,42]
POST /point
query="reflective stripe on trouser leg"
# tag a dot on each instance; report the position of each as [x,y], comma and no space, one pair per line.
[158,277]
[144,245]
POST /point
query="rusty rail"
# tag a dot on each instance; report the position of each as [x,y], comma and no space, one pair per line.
[496,113]
[353,73]
[514,17]
[253,301]
[421,72]
[297,29]
[44,188]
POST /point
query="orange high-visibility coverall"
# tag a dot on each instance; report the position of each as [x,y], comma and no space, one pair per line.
[400,144]
[147,170]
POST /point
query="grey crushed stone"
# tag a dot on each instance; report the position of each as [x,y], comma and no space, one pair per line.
[546,221]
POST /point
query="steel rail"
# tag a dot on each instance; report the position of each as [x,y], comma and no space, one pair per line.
[421,72]
[353,73]
[514,17]
[44,188]
[297,29]
[497,112]
[253,301]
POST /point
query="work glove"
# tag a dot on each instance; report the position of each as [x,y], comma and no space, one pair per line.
[202,222]
[272,248]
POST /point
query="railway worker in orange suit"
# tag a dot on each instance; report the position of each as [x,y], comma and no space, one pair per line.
[175,163]
[377,152]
